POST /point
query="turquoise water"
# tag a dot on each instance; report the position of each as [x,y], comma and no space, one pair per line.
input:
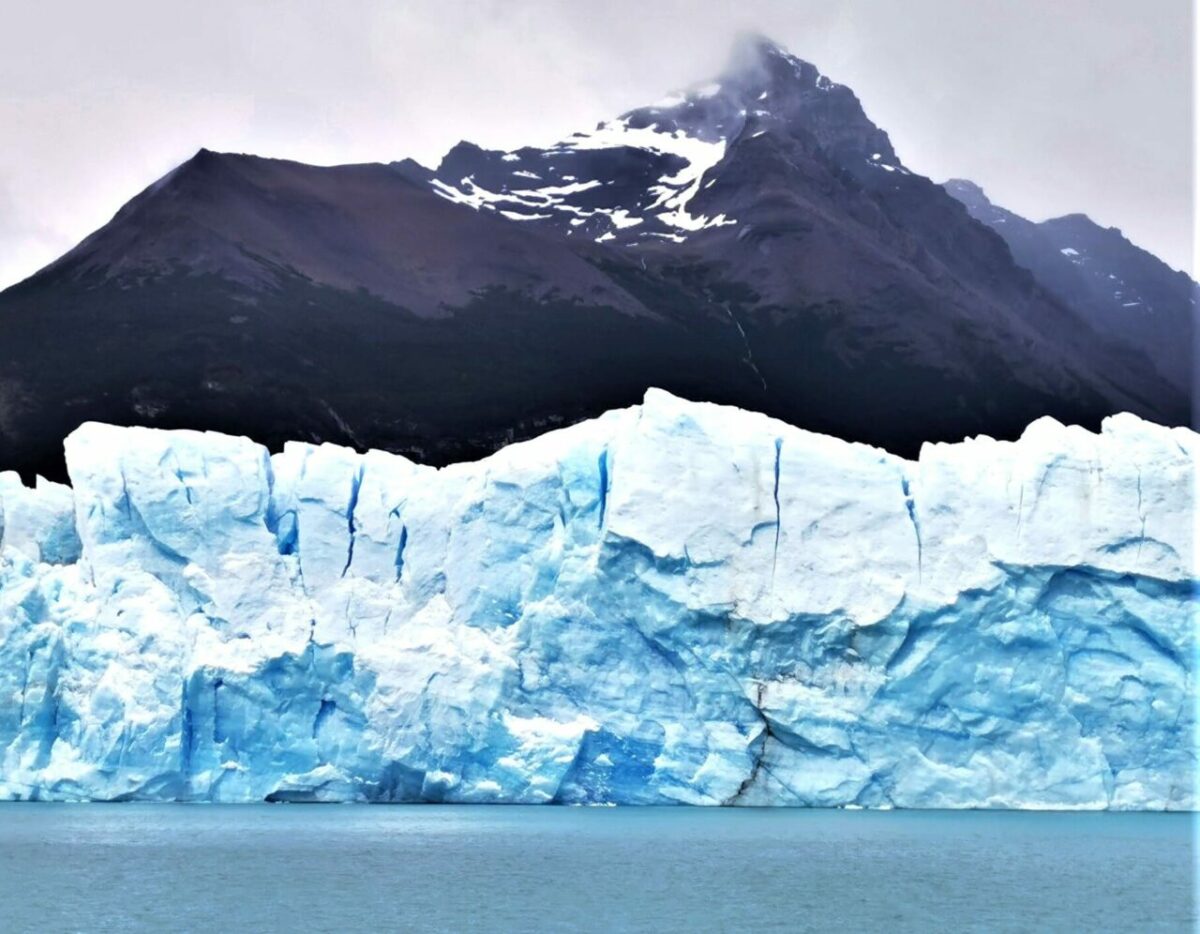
[137,867]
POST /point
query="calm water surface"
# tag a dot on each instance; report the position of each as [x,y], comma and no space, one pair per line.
[136,867]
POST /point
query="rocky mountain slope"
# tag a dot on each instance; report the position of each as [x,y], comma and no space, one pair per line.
[755,240]
[1120,288]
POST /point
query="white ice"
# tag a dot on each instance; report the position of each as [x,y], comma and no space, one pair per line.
[675,602]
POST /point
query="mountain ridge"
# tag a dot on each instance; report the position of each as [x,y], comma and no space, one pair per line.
[780,258]
[1102,275]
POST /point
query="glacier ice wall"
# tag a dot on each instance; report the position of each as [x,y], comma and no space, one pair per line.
[672,603]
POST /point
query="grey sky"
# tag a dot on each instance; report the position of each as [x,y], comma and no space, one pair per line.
[1074,105]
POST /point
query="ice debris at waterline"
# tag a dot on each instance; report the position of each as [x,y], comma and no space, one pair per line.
[674,602]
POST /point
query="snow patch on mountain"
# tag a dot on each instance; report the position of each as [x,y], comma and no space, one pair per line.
[666,199]
[675,191]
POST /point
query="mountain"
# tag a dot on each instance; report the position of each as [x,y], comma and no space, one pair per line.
[753,241]
[1119,287]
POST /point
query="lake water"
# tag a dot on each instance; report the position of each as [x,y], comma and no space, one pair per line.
[134,867]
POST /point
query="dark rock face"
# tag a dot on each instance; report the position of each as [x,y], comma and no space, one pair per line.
[256,222]
[755,241]
[1117,286]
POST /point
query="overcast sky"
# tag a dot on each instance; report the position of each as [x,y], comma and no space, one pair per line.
[1070,105]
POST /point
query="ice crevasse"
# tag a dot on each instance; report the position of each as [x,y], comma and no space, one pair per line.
[673,603]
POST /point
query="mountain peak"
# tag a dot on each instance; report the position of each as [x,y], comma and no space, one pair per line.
[965,185]
[751,48]
[646,176]
[968,192]
[758,62]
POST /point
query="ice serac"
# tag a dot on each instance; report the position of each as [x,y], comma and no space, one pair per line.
[673,603]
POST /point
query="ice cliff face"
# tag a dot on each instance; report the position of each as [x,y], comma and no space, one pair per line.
[672,603]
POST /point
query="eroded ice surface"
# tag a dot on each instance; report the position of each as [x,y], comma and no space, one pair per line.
[672,603]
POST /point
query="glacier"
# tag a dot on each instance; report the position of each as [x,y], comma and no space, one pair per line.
[673,603]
